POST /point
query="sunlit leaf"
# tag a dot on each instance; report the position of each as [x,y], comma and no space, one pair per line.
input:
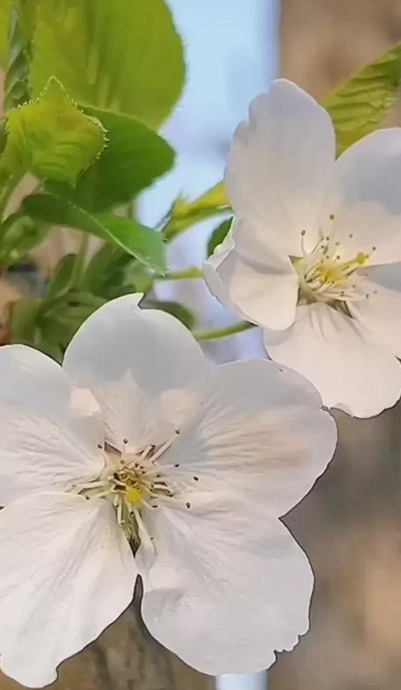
[123,55]
[50,137]
[360,105]
[184,213]
[134,157]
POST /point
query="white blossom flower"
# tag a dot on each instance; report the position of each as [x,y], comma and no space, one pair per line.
[314,255]
[138,458]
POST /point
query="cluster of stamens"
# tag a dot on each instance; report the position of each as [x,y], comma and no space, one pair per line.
[324,277]
[130,481]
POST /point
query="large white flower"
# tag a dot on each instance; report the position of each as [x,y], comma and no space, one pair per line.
[314,255]
[139,458]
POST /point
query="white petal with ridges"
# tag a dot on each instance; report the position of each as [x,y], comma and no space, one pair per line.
[66,573]
[260,432]
[49,431]
[227,587]
[279,166]
[125,354]
[365,198]
[380,313]
[261,286]
[348,366]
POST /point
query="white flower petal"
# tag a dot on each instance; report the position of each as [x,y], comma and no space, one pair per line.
[365,198]
[129,357]
[260,432]
[49,431]
[227,586]
[262,287]
[380,313]
[211,271]
[279,165]
[66,573]
[347,365]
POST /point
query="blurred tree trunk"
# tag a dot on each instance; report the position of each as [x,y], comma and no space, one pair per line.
[125,657]
[350,524]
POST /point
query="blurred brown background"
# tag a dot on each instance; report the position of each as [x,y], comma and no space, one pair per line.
[350,524]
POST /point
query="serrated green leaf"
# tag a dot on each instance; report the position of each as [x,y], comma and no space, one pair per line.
[361,104]
[218,235]
[5,12]
[134,157]
[180,311]
[143,243]
[184,213]
[51,138]
[63,277]
[124,55]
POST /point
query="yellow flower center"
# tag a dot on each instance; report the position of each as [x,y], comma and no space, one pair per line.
[130,482]
[324,277]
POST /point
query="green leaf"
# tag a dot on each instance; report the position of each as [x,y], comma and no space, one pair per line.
[5,12]
[212,203]
[23,321]
[180,311]
[60,319]
[147,245]
[218,235]
[16,81]
[112,273]
[50,137]
[135,156]
[123,55]
[144,243]
[361,104]
[63,277]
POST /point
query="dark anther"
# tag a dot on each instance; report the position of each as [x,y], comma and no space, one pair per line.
[188,505]
[177,465]
[177,431]
[125,440]
[196,479]
[99,445]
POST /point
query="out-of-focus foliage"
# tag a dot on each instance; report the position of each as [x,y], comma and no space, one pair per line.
[184,213]
[124,56]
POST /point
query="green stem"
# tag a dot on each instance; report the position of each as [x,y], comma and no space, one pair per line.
[217,333]
[183,275]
